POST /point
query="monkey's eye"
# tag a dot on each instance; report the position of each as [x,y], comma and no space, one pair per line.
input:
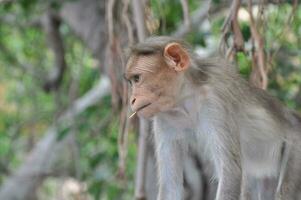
[136,78]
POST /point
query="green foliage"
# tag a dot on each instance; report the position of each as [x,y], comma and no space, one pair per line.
[170,14]
[244,64]
[165,12]
[196,38]
[99,155]
[245,30]
[284,44]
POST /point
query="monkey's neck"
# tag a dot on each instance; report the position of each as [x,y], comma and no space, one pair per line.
[188,102]
[182,118]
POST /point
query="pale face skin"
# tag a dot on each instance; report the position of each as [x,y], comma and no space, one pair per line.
[155,80]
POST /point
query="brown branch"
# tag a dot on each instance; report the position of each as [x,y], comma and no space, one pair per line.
[124,122]
[258,54]
[119,90]
[123,143]
[142,160]
[110,20]
[127,21]
[231,25]
[112,54]
[238,38]
[51,24]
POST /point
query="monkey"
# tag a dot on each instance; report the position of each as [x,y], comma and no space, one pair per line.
[247,134]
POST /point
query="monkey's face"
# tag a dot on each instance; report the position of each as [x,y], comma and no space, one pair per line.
[155,83]
[152,85]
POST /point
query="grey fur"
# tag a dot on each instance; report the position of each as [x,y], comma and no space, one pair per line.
[242,129]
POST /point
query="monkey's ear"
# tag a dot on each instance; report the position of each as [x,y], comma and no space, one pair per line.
[176,56]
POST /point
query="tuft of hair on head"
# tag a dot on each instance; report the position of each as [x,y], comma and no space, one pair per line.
[154,45]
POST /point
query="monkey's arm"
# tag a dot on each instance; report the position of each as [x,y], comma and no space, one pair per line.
[226,157]
[170,169]
[169,152]
[229,182]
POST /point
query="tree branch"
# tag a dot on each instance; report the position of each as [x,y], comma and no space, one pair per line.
[51,24]
[138,13]
[186,17]
[41,162]
[207,8]
[231,25]
[197,18]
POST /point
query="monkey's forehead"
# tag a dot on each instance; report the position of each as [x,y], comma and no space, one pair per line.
[142,63]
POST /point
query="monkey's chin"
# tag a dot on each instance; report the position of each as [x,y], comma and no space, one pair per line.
[153,110]
[147,112]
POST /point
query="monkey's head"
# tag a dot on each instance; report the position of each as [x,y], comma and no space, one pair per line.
[155,71]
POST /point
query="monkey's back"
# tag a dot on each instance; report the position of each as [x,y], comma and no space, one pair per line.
[237,94]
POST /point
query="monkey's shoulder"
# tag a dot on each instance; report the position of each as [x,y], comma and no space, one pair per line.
[275,107]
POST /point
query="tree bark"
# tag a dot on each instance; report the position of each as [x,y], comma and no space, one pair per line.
[87,19]
[51,25]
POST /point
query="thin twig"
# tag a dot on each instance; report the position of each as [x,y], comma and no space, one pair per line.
[231,25]
[127,21]
[112,51]
[109,14]
[124,121]
[111,55]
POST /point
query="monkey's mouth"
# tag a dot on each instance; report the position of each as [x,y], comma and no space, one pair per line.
[142,107]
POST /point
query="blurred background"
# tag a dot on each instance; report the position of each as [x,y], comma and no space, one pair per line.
[64,128]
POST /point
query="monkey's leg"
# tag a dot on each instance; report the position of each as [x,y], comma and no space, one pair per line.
[170,169]
[229,182]
[245,188]
[291,181]
[267,188]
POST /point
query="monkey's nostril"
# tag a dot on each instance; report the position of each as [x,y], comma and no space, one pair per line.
[133,101]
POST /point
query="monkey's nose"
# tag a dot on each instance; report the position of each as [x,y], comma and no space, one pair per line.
[133,101]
